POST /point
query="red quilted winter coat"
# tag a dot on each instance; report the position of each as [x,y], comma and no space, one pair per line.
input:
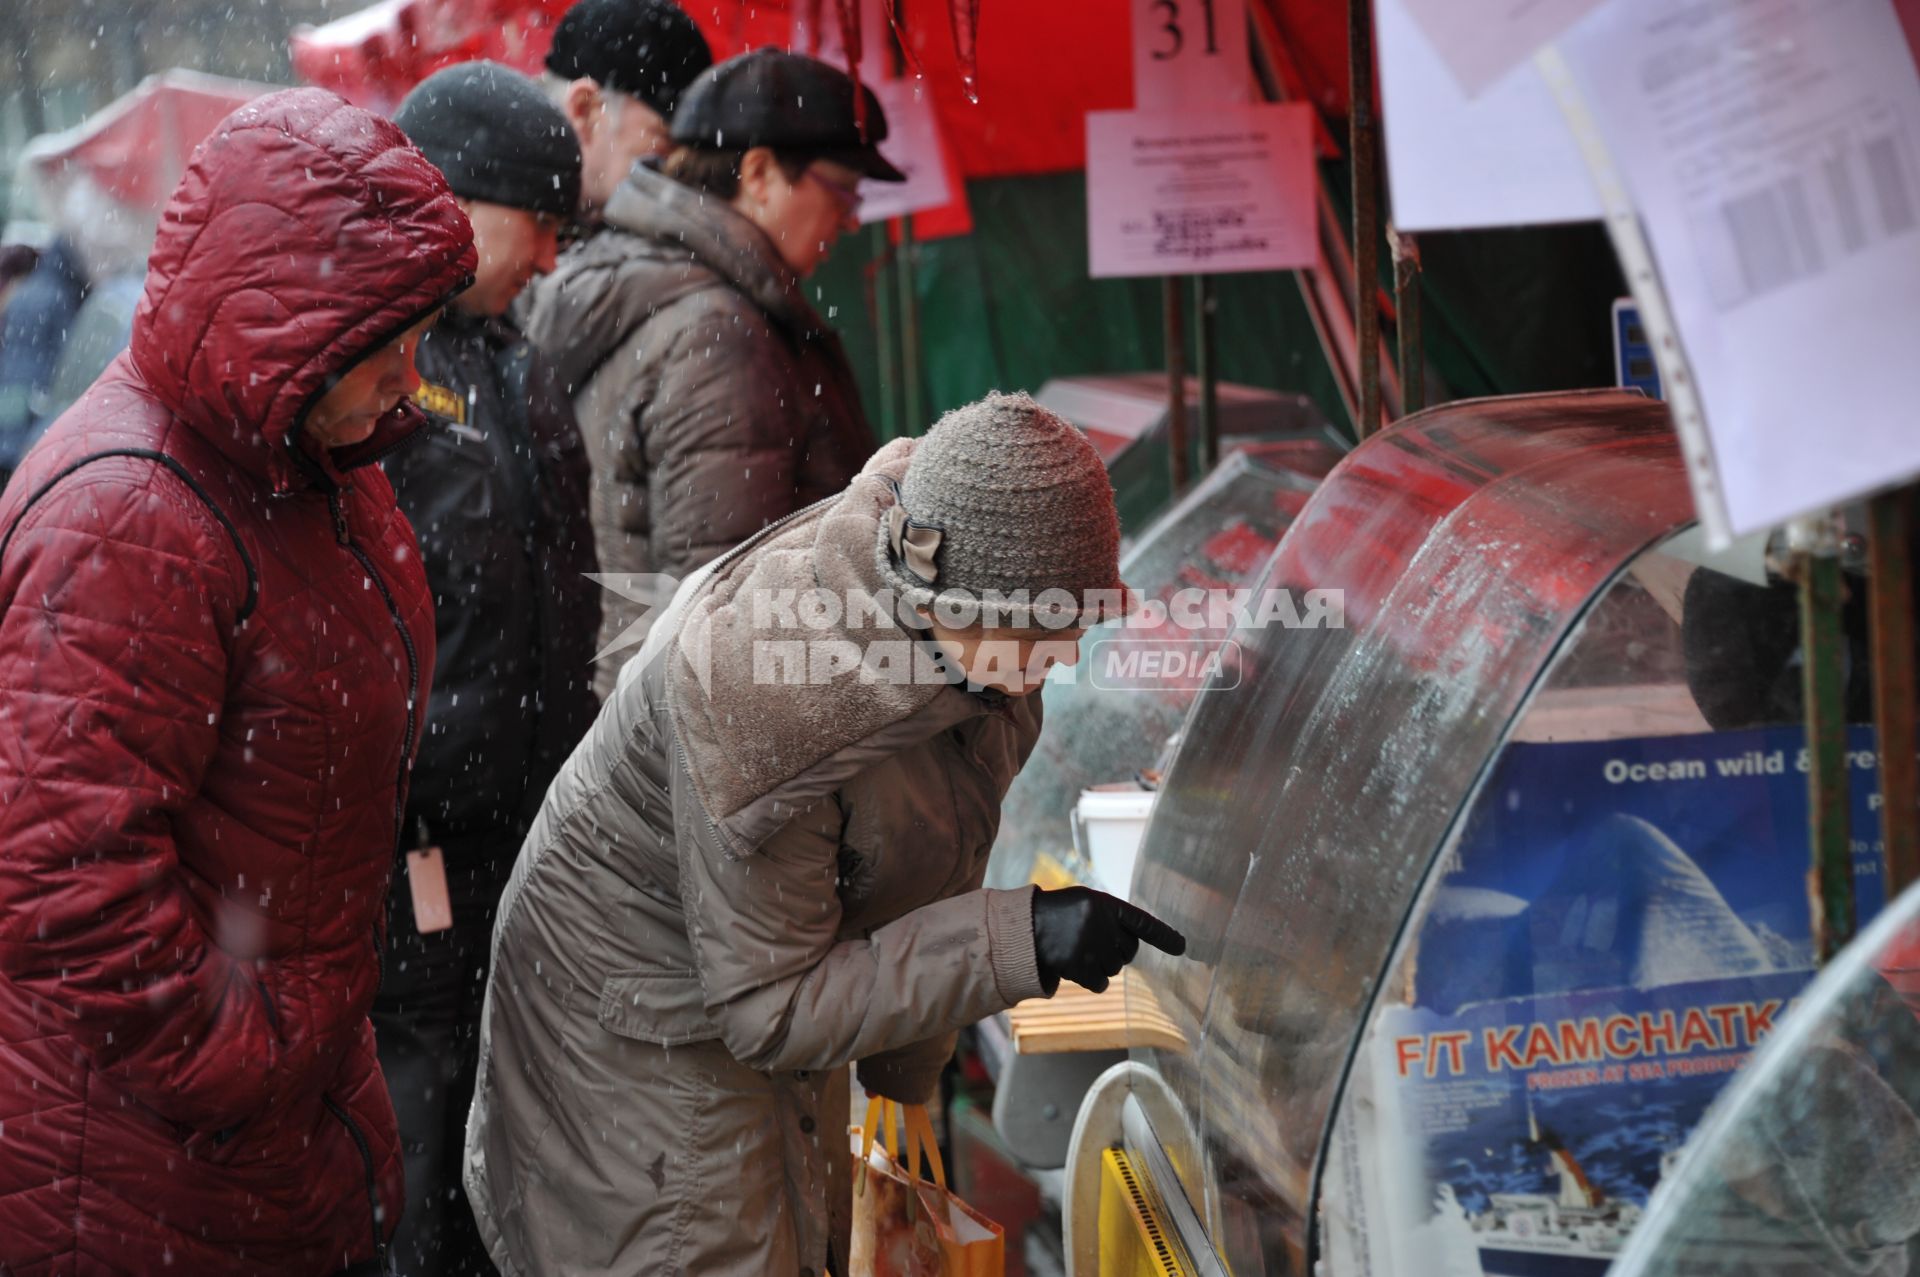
[214,649]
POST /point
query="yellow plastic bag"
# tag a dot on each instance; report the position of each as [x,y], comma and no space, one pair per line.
[905,1226]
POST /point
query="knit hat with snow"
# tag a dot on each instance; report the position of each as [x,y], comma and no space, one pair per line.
[496,137]
[1003,500]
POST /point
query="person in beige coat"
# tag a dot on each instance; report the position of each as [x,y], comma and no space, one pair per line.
[765,864]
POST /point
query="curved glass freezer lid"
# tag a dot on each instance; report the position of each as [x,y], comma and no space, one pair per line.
[1810,1162]
[1619,916]
[1304,809]
[1104,725]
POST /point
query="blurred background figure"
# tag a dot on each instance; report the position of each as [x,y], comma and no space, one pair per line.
[17,261]
[616,70]
[498,495]
[713,398]
[33,331]
[94,190]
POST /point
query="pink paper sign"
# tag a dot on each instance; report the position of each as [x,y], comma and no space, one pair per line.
[1206,192]
[1186,52]
[915,146]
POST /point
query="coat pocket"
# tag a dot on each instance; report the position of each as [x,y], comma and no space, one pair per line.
[664,1006]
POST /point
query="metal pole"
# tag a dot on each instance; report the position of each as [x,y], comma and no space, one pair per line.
[1207,362]
[878,292]
[1823,689]
[1366,211]
[1406,303]
[1890,604]
[912,418]
[1175,306]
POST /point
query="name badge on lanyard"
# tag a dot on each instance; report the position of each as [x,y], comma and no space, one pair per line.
[427,881]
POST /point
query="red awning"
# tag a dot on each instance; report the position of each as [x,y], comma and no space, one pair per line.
[136,147]
[1042,67]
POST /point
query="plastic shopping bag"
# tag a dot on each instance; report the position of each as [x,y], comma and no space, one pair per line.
[905,1226]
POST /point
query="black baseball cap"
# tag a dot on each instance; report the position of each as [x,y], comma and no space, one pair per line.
[789,102]
[649,48]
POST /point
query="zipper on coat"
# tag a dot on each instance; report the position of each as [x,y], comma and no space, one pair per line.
[373,1184]
[413,668]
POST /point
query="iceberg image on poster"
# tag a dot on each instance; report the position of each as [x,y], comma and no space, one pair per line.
[1620,923]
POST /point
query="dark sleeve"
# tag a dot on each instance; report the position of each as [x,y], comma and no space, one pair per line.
[570,599]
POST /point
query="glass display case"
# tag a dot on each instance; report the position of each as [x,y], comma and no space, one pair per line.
[1102,731]
[1810,1162]
[1490,889]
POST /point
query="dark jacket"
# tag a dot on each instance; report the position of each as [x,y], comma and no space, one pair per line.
[32,334]
[212,653]
[498,496]
[713,399]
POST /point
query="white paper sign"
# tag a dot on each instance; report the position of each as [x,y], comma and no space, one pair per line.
[1200,192]
[1505,158]
[1482,40]
[1186,52]
[1773,150]
[914,146]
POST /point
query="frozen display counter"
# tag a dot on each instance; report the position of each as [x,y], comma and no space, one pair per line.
[1488,892]
[1102,731]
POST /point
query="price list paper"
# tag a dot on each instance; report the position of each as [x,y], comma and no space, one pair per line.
[1482,40]
[1505,158]
[1772,148]
[1200,192]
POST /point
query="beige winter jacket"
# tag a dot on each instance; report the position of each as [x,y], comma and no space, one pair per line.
[713,399]
[736,887]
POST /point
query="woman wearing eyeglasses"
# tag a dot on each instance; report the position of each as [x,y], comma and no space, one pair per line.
[713,398]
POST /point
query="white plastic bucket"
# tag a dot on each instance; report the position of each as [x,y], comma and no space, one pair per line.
[1109,825]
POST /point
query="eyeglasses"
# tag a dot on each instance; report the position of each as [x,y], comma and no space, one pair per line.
[847,195]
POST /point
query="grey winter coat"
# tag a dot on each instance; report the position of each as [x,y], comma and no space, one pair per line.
[713,399]
[737,886]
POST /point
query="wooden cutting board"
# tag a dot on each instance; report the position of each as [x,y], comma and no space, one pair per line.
[1075,1020]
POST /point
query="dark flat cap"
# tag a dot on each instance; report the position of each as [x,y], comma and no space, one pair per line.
[789,102]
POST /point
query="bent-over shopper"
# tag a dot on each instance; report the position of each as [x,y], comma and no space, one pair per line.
[743,882]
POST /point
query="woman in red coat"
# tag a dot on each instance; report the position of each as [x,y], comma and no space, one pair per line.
[215,641]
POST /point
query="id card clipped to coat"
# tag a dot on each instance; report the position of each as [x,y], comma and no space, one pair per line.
[427,880]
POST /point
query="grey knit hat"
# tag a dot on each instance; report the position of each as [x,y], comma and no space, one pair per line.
[1006,516]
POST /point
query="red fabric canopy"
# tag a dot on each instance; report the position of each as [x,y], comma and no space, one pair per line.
[136,147]
[1042,67]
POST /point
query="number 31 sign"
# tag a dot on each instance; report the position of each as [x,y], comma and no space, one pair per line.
[1187,53]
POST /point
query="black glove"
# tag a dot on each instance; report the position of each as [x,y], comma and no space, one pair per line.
[1087,936]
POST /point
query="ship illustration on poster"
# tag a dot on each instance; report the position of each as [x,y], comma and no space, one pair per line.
[1577,1230]
[1599,958]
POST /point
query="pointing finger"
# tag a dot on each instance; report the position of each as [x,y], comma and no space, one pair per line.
[1149,928]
